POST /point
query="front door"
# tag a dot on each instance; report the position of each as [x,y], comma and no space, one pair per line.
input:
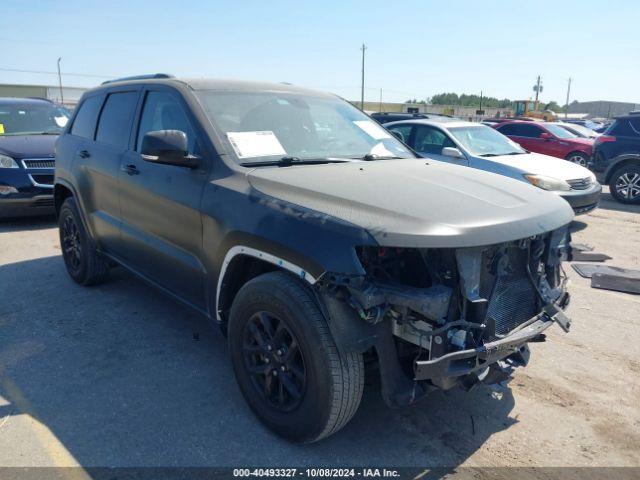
[429,141]
[160,204]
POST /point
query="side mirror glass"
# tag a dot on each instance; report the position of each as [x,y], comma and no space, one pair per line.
[169,147]
[452,152]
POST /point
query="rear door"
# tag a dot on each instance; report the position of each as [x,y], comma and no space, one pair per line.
[162,225]
[98,158]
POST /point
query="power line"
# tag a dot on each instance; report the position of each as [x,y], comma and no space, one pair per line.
[44,72]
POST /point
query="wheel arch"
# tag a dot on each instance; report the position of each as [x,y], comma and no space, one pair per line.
[60,193]
[243,263]
[576,152]
[620,161]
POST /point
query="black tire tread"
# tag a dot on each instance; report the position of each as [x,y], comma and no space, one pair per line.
[346,369]
[97,266]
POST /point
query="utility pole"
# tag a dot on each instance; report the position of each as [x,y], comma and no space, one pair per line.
[480,99]
[566,105]
[60,81]
[364,48]
[537,88]
[380,108]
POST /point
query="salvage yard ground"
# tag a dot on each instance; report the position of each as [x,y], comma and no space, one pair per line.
[119,375]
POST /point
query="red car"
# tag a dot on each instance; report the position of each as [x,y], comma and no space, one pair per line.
[549,139]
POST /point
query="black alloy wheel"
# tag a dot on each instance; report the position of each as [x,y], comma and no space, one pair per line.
[274,361]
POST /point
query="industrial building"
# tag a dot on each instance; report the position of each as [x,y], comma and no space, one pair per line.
[69,96]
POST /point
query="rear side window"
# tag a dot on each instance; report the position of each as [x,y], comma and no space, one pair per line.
[626,127]
[84,124]
[520,130]
[115,121]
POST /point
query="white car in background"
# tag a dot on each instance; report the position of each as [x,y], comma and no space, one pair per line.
[478,146]
[579,130]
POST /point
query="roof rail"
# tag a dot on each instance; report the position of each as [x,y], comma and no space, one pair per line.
[139,77]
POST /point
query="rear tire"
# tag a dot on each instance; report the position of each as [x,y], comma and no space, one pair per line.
[579,158]
[84,264]
[274,320]
[624,184]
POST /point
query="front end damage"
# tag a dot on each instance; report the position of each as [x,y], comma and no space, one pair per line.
[438,318]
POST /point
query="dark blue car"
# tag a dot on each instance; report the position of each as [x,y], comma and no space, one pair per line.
[28,130]
[616,158]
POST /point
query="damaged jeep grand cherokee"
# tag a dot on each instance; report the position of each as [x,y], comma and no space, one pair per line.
[313,238]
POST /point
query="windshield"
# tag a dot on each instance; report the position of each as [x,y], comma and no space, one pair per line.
[267,126]
[32,119]
[485,141]
[559,131]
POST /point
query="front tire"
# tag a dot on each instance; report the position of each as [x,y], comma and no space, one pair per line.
[286,362]
[578,158]
[84,264]
[624,185]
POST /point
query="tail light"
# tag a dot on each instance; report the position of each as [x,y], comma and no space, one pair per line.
[604,138]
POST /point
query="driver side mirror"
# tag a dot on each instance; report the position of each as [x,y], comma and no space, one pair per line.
[168,147]
[546,136]
[452,152]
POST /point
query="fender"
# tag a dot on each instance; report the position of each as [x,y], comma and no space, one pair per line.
[265,256]
[613,164]
[68,185]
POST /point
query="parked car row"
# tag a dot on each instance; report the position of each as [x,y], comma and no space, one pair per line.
[613,155]
[482,147]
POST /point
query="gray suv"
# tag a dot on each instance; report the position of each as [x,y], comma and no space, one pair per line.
[313,238]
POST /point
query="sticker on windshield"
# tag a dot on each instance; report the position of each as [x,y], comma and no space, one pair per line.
[255,144]
[372,129]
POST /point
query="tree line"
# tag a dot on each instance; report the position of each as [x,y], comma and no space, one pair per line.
[473,100]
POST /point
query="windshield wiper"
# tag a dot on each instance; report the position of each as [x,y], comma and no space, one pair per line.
[490,155]
[290,160]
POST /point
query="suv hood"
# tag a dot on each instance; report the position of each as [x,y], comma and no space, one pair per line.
[543,165]
[414,203]
[28,146]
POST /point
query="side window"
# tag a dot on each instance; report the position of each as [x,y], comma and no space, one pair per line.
[521,130]
[431,140]
[115,120]
[162,111]
[507,129]
[84,124]
[626,127]
[403,130]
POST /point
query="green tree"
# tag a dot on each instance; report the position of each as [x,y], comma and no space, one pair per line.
[553,106]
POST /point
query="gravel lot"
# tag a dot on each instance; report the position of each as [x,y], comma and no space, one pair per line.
[119,375]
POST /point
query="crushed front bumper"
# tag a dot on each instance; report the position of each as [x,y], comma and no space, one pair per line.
[465,362]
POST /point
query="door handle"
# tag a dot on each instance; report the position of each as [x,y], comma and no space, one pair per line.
[130,169]
[84,154]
